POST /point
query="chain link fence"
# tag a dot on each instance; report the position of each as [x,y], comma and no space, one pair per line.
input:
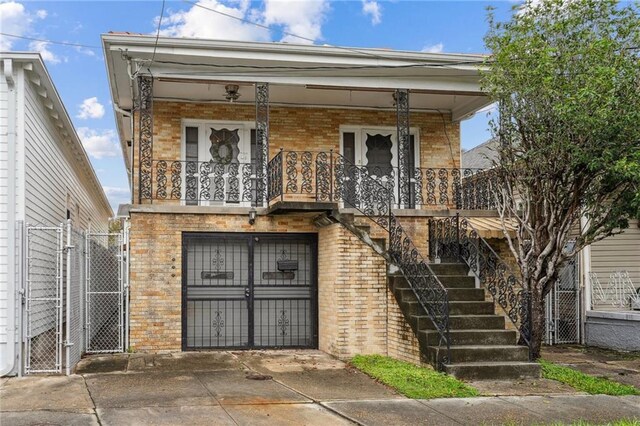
[563,306]
[43,304]
[74,299]
[105,287]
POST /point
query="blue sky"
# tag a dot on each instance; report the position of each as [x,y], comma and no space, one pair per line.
[79,73]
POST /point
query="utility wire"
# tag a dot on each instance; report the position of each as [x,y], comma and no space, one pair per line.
[228,15]
[64,43]
[155,46]
[321,67]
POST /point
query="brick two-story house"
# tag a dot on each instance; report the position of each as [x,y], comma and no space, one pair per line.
[266,179]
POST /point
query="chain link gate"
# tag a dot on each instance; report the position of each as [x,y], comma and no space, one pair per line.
[563,306]
[43,299]
[105,301]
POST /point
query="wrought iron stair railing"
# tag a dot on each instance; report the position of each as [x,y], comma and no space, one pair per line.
[353,186]
[454,238]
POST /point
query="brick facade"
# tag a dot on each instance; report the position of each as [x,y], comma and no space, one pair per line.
[356,311]
[301,128]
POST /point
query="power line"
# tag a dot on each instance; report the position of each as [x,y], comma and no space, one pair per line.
[64,43]
[228,15]
[155,46]
[321,67]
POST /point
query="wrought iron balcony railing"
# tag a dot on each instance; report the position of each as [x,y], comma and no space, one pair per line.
[454,238]
[315,176]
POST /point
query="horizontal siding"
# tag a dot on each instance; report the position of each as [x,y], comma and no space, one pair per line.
[617,253]
[52,172]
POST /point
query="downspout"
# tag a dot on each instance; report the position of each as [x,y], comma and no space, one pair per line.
[132,124]
[585,261]
[11,218]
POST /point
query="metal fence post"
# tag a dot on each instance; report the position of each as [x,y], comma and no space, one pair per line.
[67,343]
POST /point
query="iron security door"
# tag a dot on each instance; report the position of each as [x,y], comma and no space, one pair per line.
[249,291]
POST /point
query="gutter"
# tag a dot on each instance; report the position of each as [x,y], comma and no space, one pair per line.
[11,218]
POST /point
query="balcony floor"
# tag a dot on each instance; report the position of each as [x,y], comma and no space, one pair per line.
[283,207]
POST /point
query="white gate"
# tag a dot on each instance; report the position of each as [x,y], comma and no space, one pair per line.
[105,292]
[43,299]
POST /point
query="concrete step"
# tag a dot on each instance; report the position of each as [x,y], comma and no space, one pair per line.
[410,308]
[455,294]
[462,322]
[480,353]
[469,337]
[471,308]
[493,370]
[451,269]
[457,281]
[465,294]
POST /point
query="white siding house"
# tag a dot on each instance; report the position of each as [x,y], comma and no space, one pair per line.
[45,176]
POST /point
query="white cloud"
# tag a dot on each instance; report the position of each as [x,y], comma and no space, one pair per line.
[198,22]
[91,108]
[99,144]
[85,51]
[434,48]
[372,7]
[303,18]
[117,196]
[14,19]
[43,48]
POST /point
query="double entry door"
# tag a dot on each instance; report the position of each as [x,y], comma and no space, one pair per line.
[375,151]
[246,290]
[220,163]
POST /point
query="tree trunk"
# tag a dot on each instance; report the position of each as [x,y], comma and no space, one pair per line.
[537,322]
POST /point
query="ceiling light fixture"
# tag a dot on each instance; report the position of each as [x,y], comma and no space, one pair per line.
[231,93]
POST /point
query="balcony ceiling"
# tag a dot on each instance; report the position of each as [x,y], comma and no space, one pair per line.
[299,75]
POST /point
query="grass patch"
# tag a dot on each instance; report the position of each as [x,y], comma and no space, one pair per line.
[411,380]
[584,382]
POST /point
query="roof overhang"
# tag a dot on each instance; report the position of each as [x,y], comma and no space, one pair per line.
[196,70]
[37,74]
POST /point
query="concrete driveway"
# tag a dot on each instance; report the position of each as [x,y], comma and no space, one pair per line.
[263,387]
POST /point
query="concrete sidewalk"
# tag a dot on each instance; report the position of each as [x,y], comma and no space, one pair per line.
[265,387]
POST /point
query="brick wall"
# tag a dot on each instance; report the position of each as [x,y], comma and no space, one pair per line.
[352,295]
[302,128]
[356,311]
[156,268]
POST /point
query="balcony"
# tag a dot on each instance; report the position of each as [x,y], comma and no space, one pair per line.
[316,180]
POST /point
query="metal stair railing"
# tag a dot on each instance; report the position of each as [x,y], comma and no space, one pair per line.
[330,177]
[354,187]
[455,238]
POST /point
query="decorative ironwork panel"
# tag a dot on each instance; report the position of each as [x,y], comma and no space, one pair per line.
[233,183]
[249,290]
[274,177]
[161,180]
[262,139]
[145,139]
[402,110]
[307,172]
[176,180]
[323,176]
[455,237]
[292,172]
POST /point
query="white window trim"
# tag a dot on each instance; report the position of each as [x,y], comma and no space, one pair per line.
[358,130]
[201,124]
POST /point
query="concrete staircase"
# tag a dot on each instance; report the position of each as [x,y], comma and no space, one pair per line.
[481,346]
